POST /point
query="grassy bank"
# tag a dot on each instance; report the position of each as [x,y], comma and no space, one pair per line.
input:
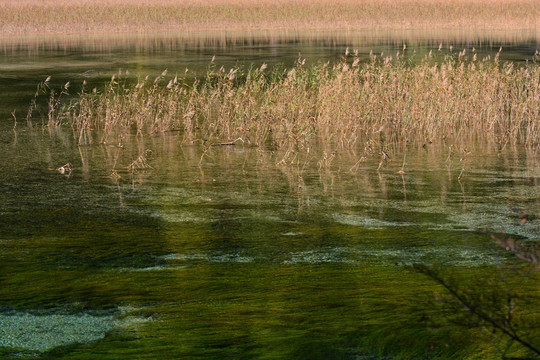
[105,16]
[348,105]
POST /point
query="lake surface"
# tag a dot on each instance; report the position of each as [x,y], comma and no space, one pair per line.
[229,254]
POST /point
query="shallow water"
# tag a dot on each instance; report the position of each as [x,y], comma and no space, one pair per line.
[228,255]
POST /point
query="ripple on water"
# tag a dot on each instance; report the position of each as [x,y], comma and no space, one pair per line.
[388,256]
[471,216]
[347,255]
[217,258]
[368,223]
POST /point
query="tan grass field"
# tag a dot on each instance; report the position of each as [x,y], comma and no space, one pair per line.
[29,17]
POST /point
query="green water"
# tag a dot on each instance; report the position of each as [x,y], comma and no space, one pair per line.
[228,255]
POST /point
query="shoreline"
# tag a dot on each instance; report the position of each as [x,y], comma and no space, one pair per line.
[351,38]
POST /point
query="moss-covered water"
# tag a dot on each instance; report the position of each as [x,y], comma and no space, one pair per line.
[233,256]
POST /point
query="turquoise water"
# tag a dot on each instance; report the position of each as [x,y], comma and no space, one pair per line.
[228,254]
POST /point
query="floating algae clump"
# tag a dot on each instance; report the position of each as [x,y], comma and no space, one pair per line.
[44,332]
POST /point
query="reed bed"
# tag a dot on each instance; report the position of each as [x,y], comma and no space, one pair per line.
[105,16]
[348,105]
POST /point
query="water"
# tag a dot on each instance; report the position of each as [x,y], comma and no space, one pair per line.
[229,255]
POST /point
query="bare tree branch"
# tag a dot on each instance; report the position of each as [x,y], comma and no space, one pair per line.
[505,326]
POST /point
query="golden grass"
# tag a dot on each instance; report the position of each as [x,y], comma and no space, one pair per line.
[349,105]
[105,16]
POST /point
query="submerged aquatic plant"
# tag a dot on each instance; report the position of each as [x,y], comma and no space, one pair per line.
[508,317]
[511,319]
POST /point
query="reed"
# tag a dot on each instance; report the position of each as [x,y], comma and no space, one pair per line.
[349,105]
[106,16]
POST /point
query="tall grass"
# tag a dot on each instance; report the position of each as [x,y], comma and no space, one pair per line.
[347,105]
[104,16]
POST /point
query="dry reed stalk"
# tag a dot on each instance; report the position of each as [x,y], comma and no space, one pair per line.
[83,16]
[346,106]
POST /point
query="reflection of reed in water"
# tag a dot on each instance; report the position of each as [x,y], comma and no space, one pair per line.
[275,40]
